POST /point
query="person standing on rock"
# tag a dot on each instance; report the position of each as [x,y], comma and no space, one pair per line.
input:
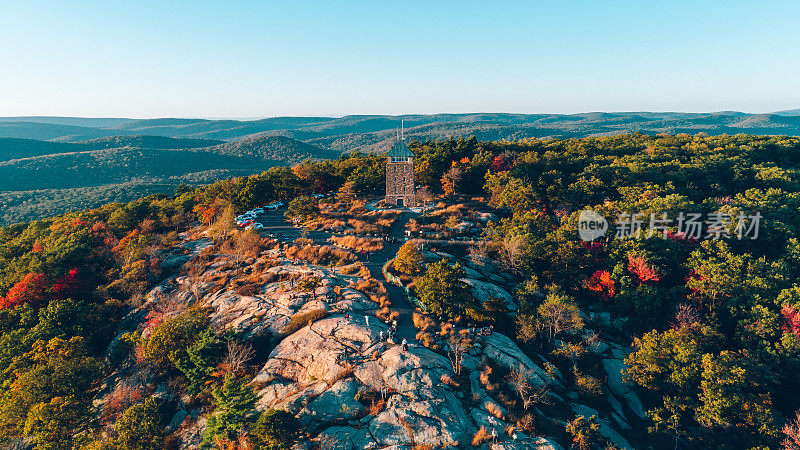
[381,336]
[346,316]
[366,320]
[405,345]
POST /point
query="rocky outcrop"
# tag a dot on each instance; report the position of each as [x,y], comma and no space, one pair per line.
[503,351]
[619,388]
[483,290]
[331,371]
[272,309]
[336,404]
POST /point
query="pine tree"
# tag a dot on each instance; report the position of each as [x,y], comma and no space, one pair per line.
[199,360]
[235,411]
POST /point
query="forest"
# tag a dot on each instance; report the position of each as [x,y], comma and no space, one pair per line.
[714,324]
[40,178]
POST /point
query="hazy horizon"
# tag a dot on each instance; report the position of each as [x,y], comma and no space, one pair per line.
[244,119]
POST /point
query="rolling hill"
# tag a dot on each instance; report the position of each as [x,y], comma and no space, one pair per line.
[52,164]
[41,178]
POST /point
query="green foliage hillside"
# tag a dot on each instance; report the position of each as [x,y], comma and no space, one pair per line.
[39,178]
[144,141]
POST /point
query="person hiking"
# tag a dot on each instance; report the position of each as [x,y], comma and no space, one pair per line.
[381,336]
[405,345]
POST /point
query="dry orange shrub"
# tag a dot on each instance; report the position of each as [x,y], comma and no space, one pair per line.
[481,437]
[120,399]
[423,322]
[301,320]
[376,407]
[320,254]
[358,244]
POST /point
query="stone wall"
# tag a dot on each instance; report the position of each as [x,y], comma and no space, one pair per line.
[400,183]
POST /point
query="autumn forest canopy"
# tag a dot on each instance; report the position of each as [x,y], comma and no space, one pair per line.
[713,324]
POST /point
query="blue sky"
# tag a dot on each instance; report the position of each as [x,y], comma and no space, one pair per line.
[244,59]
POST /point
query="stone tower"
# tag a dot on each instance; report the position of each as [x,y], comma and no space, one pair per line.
[400,188]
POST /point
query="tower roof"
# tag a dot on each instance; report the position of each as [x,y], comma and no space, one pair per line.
[401,149]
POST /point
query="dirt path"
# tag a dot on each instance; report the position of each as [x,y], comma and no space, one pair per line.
[274,222]
[397,295]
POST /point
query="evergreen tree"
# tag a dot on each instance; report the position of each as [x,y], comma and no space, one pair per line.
[235,411]
[199,360]
[275,430]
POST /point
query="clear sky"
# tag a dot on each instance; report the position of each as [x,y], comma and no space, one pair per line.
[245,59]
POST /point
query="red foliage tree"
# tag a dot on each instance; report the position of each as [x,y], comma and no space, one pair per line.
[791,320]
[501,163]
[208,214]
[592,245]
[120,399]
[67,286]
[79,223]
[602,283]
[641,270]
[100,227]
[31,289]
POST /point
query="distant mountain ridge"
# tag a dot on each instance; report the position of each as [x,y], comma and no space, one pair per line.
[365,132]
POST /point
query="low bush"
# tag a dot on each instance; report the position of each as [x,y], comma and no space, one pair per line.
[358,244]
[320,255]
[481,437]
[249,290]
[173,334]
[423,322]
[427,340]
[299,321]
[275,429]
[588,387]
[351,269]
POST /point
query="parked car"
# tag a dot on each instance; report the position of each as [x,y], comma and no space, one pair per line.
[258,226]
[258,210]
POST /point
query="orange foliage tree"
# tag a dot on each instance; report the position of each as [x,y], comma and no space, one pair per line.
[645,273]
[602,283]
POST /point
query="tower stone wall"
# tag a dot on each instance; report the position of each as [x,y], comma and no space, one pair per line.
[400,188]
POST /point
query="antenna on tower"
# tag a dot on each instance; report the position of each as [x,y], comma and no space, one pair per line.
[402,130]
